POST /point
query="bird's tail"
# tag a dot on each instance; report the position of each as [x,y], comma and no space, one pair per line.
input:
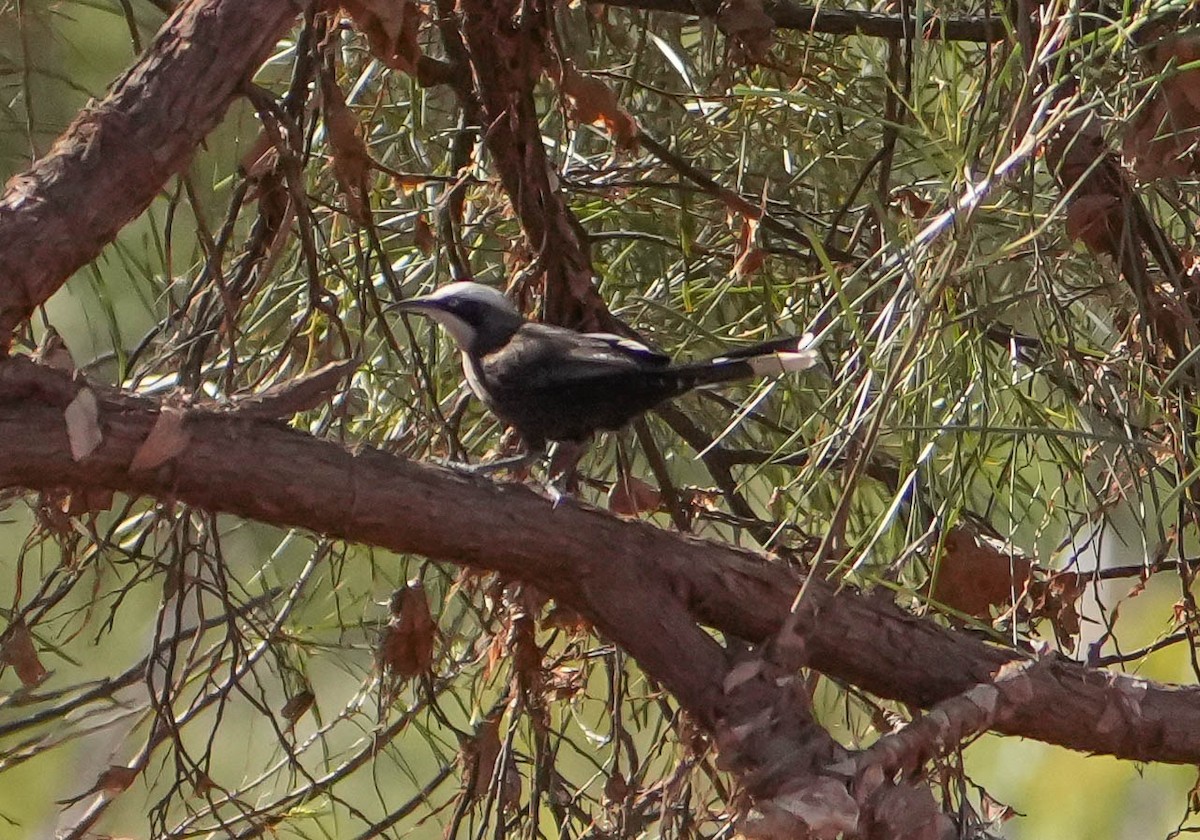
[771,358]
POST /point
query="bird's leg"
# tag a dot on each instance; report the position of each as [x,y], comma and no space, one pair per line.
[564,458]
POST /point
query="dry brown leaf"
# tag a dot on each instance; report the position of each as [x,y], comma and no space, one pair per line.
[630,496]
[167,439]
[351,162]
[203,785]
[591,101]
[565,682]
[260,158]
[616,789]
[973,576]
[423,236]
[910,204]
[751,28]
[510,787]
[1162,139]
[116,779]
[479,755]
[53,352]
[406,649]
[88,500]
[392,29]
[297,705]
[565,618]
[749,262]
[83,424]
[18,651]
[112,781]
[408,184]
[1054,599]
[750,257]
[1095,220]
[994,811]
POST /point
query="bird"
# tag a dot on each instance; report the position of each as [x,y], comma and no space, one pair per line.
[555,385]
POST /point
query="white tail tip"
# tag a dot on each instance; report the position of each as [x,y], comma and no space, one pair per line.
[787,361]
[777,364]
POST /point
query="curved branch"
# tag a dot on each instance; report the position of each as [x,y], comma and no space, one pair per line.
[115,157]
[642,589]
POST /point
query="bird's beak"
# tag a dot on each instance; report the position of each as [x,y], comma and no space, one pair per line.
[417,306]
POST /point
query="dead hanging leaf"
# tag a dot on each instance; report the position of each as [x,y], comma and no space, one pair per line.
[750,257]
[1162,139]
[52,511]
[593,102]
[510,787]
[1194,796]
[1096,221]
[495,655]
[748,26]
[616,789]
[114,780]
[351,162]
[565,618]
[260,158]
[630,496]
[993,811]
[18,651]
[53,352]
[392,29]
[973,576]
[478,756]
[423,235]
[406,649]
[910,204]
[297,705]
[749,262]
[167,439]
[83,424]
[565,682]
[408,184]
[1054,599]
[89,500]
[525,654]
[203,785]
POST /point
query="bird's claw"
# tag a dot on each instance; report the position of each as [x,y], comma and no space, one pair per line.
[557,496]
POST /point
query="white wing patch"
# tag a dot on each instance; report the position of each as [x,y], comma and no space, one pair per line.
[628,345]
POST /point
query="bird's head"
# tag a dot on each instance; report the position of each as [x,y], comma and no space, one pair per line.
[478,318]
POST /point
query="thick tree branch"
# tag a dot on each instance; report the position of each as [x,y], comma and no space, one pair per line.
[841,21]
[116,155]
[630,590]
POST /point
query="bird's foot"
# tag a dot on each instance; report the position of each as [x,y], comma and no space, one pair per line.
[557,495]
[488,468]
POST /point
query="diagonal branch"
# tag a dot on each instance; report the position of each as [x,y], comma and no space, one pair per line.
[643,590]
[116,155]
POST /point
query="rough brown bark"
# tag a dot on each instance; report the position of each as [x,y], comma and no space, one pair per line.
[116,155]
[840,21]
[635,588]
[508,46]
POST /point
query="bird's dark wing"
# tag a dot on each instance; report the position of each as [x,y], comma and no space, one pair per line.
[551,383]
[607,346]
[547,357]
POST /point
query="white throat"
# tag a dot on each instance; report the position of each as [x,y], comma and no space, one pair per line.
[459,330]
